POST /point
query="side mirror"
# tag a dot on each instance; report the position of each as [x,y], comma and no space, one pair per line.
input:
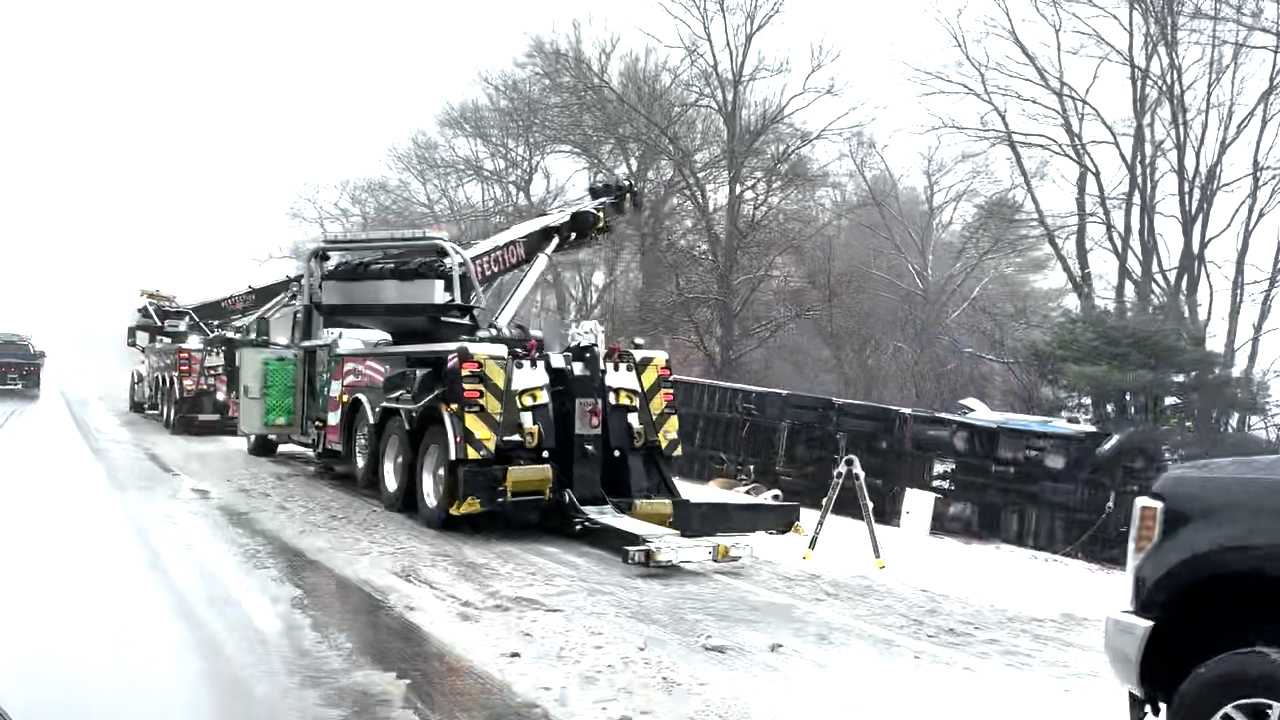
[262,328]
[131,339]
[40,354]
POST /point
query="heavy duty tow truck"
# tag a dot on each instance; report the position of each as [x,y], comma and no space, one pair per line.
[182,377]
[463,412]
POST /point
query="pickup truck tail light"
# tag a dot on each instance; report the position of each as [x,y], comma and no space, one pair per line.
[1144,529]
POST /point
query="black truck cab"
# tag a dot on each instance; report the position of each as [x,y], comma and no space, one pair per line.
[1202,634]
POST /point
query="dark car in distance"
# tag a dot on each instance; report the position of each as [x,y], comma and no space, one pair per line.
[20,363]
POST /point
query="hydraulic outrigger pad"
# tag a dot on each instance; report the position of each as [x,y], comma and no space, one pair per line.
[644,543]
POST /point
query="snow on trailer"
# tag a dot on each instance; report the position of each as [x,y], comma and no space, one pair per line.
[464,411]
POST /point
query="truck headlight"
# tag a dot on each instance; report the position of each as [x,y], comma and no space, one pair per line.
[1144,529]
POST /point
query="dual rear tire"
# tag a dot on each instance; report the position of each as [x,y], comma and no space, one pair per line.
[169,411]
[416,474]
[166,408]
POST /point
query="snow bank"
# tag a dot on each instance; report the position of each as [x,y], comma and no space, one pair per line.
[1028,581]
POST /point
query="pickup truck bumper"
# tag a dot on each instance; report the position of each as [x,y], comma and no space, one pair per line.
[1126,639]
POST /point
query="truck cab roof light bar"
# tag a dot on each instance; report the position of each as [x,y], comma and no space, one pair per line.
[383,235]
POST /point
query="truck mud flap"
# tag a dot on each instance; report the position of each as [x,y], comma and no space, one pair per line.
[700,519]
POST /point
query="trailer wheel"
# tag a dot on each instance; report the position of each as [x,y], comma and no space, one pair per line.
[434,475]
[261,445]
[362,450]
[135,406]
[395,469]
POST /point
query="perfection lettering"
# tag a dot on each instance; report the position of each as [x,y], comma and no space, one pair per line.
[236,302]
[499,260]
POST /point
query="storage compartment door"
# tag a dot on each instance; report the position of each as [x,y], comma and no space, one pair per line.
[270,391]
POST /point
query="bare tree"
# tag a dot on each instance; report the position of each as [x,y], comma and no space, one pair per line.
[349,205]
[738,139]
[1260,200]
[487,164]
[1188,161]
[1028,106]
[945,243]
[587,91]
[1265,302]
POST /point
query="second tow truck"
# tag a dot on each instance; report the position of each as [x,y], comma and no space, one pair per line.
[182,377]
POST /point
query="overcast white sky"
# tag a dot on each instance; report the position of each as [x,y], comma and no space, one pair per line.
[160,144]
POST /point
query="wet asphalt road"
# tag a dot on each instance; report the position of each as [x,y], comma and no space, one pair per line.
[129,593]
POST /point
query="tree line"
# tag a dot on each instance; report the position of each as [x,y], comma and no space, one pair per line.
[1086,227]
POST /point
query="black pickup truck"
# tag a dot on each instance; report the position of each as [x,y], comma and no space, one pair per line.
[20,363]
[1202,634]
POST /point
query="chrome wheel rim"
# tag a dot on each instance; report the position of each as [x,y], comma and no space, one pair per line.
[392,464]
[432,478]
[1250,709]
[360,440]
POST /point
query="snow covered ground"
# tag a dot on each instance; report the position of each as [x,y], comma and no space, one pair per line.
[1006,576]
[949,628]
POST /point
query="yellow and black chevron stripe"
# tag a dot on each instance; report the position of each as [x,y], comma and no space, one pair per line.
[655,380]
[482,416]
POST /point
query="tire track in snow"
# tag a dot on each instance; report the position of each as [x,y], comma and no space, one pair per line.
[14,411]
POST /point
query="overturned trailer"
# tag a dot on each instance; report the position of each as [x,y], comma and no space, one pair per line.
[1034,482]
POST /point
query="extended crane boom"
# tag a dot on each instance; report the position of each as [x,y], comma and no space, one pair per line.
[229,308]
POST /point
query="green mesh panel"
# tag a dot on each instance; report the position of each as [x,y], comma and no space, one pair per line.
[279,375]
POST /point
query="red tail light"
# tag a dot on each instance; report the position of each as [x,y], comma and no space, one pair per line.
[470,366]
[668,396]
[664,371]
[471,394]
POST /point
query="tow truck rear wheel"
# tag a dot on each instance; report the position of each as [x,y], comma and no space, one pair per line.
[434,475]
[166,407]
[362,450]
[395,468]
[176,425]
[135,388]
